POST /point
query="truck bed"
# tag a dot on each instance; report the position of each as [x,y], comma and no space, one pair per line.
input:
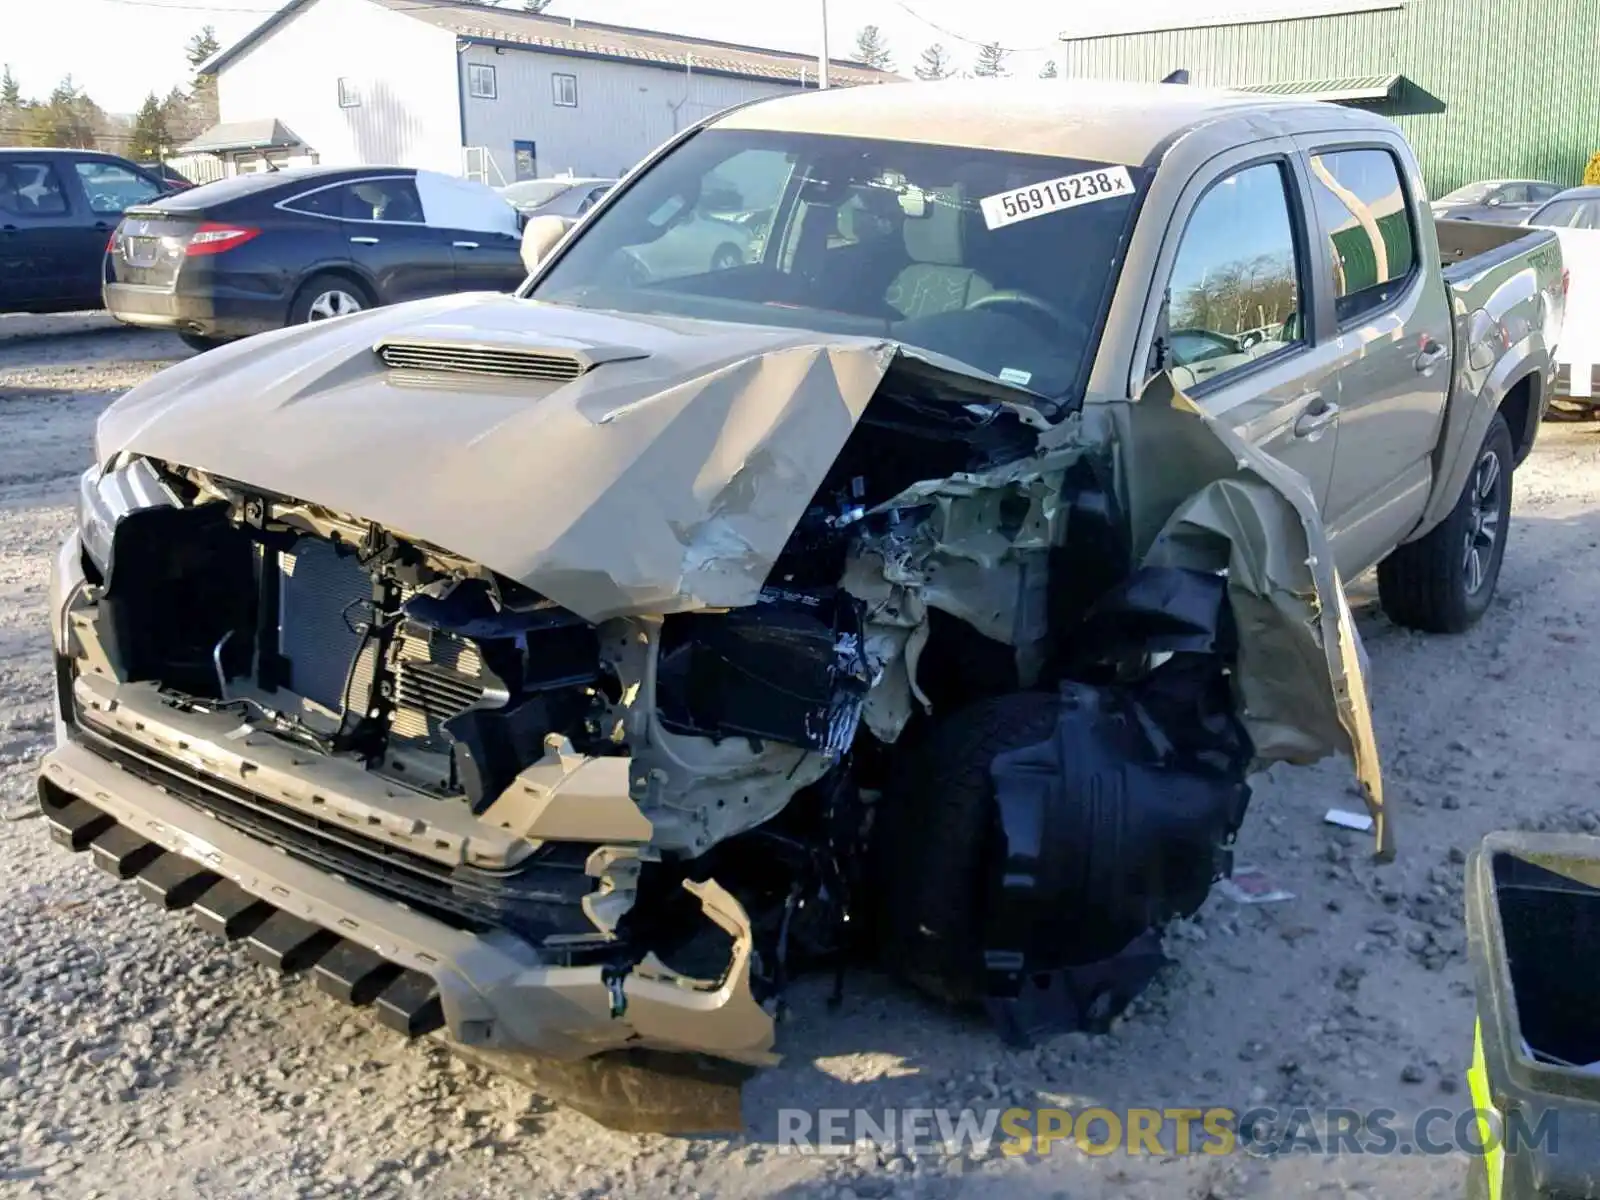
[1468,249]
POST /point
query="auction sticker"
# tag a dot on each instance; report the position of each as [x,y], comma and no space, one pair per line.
[1053,195]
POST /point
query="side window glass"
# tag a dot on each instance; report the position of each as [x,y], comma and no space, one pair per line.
[31,189]
[717,232]
[112,189]
[1363,211]
[1516,193]
[328,202]
[383,200]
[1235,291]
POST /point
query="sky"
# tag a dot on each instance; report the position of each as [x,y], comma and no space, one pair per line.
[118,50]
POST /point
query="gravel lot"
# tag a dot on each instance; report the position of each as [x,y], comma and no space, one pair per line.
[140,1058]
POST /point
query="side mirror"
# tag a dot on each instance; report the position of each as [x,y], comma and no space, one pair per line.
[540,236]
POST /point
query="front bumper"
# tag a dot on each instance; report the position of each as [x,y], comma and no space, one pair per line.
[484,989]
[216,313]
[419,974]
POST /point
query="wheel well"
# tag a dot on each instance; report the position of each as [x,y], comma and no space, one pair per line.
[1522,416]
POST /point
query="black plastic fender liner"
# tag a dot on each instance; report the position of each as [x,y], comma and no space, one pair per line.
[1101,834]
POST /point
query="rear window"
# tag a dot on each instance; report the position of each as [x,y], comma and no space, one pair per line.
[1361,203]
[30,189]
[237,187]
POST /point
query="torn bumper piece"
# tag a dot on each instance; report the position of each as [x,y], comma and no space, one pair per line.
[489,991]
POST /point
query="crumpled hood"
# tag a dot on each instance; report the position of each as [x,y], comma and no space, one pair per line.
[667,478]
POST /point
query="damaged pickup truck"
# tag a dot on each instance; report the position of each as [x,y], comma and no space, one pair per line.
[565,671]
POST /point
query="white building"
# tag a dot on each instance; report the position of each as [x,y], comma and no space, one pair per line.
[498,94]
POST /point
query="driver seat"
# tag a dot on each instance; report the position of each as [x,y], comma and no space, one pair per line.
[937,280]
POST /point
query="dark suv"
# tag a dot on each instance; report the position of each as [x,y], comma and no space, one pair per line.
[58,209]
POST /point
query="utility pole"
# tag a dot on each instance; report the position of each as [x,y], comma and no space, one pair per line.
[822,59]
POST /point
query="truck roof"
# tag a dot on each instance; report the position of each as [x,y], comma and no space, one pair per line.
[1102,120]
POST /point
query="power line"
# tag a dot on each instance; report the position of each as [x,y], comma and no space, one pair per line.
[961,37]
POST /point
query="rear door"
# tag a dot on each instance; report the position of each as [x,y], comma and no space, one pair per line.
[108,189]
[1393,337]
[40,235]
[481,228]
[1242,308]
[391,241]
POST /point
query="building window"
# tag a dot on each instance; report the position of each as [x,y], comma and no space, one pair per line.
[1362,204]
[349,93]
[564,90]
[480,81]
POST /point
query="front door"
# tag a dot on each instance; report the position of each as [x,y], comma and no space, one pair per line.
[39,235]
[1394,338]
[1240,315]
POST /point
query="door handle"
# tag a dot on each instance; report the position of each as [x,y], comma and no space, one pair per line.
[1317,417]
[1430,356]
[465,245]
[365,241]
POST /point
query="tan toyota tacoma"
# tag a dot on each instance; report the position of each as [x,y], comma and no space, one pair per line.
[920,583]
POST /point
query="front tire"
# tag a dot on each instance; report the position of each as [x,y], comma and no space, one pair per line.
[1444,582]
[327,296]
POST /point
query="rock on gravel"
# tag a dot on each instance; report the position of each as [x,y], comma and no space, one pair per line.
[138,1058]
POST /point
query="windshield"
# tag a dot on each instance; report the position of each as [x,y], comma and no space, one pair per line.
[1472,193]
[1002,261]
[535,191]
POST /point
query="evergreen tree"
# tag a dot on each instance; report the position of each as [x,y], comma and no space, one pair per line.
[991,62]
[1048,71]
[150,141]
[934,64]
[202,88]
[535,6]
[10,92]
[871,48]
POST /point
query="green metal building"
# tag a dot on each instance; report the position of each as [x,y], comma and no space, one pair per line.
[1484,89]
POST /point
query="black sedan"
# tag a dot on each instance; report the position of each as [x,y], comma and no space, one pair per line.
[257,252]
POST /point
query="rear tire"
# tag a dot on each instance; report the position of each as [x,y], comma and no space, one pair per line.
[1443,582]
[932,840]
[200,342]
[326,296]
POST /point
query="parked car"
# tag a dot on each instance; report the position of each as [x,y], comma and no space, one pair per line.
[1575,216]
[1503,201]
[175,179]
[57,209]
[567,670]
[562,197]
[1575,208]
[257,252]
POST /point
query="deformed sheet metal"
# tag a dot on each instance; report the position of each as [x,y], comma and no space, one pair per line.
[1201,497]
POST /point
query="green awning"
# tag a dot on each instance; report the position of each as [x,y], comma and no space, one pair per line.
[1361,88]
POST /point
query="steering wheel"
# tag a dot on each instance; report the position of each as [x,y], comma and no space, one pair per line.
[1059,318]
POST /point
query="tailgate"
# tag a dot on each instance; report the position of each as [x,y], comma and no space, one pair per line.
[149,246]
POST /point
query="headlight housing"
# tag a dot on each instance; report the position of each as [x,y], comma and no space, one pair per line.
[107,495]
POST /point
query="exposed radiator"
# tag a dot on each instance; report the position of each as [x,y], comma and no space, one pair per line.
[323,600]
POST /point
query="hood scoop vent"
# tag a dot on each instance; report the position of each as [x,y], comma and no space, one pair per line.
[502,362]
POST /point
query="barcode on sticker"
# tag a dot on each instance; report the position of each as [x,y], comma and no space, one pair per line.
[1053,195]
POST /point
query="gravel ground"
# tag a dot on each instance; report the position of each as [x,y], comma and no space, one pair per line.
[138,1057]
